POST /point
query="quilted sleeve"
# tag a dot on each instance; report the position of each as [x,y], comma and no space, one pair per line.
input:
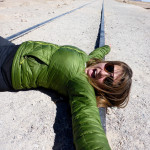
[100,52]
[87,130]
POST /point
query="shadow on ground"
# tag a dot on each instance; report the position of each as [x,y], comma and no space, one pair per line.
[63,123]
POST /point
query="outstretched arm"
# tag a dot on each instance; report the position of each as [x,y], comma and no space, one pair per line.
[100,52]
[87,130]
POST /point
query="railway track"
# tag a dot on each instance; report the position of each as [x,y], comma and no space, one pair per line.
[99,42]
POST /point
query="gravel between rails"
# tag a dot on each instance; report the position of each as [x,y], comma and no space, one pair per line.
[40,119]
[128,32]
[32,120]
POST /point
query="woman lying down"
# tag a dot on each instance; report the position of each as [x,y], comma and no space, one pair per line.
[88,81]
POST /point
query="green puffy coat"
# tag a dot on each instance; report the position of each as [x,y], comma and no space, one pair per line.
[62,68]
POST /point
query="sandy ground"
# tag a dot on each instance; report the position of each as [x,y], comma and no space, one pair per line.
[128,31]
[145,5]
[33,120]
[40,120]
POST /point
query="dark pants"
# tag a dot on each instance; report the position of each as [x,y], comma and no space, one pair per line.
[7,52]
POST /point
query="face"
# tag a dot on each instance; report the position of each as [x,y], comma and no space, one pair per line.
[101,73]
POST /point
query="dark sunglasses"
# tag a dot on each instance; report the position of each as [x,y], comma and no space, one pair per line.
[109,68]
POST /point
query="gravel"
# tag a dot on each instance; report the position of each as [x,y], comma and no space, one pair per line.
[40,119]
[128,32]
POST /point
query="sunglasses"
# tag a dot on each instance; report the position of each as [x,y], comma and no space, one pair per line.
[109,68]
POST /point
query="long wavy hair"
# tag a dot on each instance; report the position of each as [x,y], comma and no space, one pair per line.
[116,94]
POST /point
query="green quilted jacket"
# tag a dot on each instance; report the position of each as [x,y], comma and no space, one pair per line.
[62,68]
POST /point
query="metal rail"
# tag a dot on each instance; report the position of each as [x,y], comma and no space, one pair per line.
[23,32]
[100,43]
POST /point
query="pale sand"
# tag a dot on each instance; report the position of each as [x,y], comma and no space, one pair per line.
[30,120]
[145,5]
[128,31]
[27,118]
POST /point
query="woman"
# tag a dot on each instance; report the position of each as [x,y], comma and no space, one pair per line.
[111,80]
[71,72]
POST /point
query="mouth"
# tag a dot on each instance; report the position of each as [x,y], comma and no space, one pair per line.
[92,73]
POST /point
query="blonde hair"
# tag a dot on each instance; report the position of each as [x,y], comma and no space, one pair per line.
[113,95]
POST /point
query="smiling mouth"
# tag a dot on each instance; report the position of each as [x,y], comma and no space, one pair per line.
[93,75]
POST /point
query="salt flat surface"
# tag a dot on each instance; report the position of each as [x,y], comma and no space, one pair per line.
[128,32]
[40,119]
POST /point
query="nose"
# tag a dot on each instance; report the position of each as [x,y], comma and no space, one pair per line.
[104,73]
